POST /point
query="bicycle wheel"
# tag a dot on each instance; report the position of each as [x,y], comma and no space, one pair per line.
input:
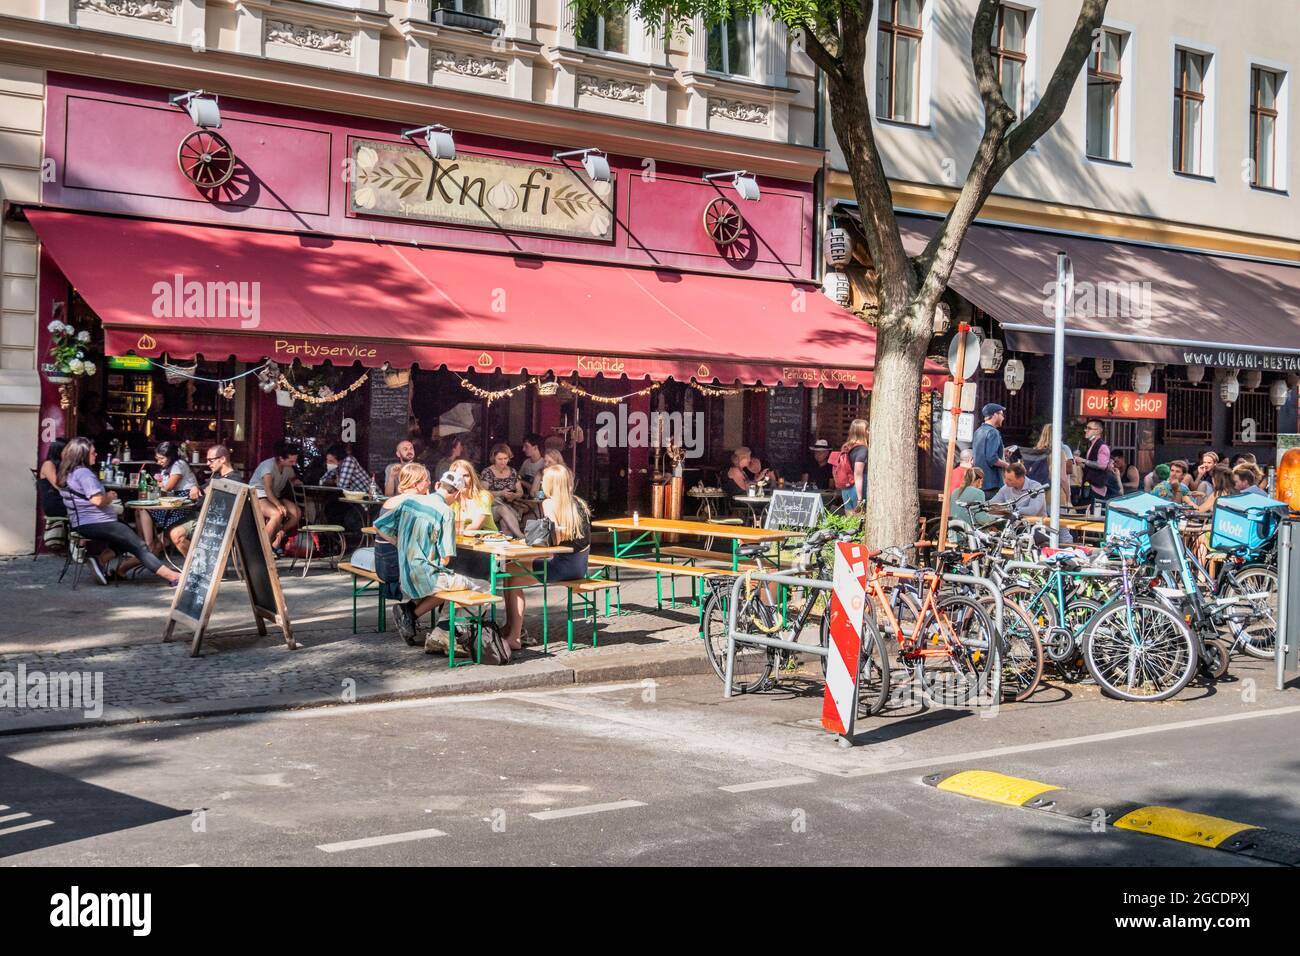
[972,671]
[1078,612]
[873,675]
[1215,655]
[1147,655]
[753,665]
[1022,651]
[1258,631]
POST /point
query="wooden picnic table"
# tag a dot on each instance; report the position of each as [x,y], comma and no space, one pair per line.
[1082,525]
[654,528]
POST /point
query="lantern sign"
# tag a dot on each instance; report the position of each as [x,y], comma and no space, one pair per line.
[836,287]
[1195,373]
[1252,378]
[1277,392]
[1142,379]
[991,355]
[839,247]
[1229,389]
[1014,375]
[1105,368]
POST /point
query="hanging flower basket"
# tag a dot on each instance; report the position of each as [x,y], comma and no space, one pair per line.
[68,354]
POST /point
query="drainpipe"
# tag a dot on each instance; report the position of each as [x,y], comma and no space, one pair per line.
[819,181]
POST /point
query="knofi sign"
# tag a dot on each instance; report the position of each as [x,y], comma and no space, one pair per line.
[393,179]
[1099,403]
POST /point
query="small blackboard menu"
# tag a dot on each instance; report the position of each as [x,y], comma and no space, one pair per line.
[229,521]
[785,451]
[390,409]
[794,509]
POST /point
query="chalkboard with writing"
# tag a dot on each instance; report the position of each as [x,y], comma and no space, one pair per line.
[390,408]
[785,447]
[794,509]
[228,522]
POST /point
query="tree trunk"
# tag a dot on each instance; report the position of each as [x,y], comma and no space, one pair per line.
[893,505]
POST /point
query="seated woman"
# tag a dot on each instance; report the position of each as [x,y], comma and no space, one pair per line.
[572,520]
[47,481]
[501,479]
[90,509]
[474,513]
[175,479]
[970,492]
[737,478]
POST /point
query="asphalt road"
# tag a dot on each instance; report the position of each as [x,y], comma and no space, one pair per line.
[666,773]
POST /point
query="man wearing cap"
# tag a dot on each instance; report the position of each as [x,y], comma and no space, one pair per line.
[987,447]
[818,471]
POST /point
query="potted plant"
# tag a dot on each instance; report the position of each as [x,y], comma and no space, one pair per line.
[67,354]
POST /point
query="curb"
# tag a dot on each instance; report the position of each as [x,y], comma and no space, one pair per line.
[1171,823]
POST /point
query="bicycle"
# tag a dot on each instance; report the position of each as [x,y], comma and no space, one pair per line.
[765,611]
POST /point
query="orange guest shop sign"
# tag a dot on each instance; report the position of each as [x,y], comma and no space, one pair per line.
[1099,403]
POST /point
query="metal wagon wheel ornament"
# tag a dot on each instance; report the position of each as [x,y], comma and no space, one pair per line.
[206,159]
[723,221]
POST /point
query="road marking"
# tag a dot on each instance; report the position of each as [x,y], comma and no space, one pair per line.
[579,811]
[1181,825]
[13,816]
[994,787]
[767,784]
[380,840]
[941,759]
[1184,826]
[26,826]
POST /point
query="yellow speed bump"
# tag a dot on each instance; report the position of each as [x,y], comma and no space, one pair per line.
[996,787]
[1197,828]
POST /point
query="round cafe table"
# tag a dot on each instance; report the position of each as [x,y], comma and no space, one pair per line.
[757,505]
[153,504]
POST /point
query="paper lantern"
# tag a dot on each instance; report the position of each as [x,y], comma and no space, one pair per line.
[1252,378]
[1142,379]
[1014,375]
[839,247]
[991,355]
[1195,373]
[942,318]
[1288,478]
[1229,389]
[1277,392]
[836,287]
[1105,368]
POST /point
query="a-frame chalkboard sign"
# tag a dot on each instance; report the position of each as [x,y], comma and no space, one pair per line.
[229,520]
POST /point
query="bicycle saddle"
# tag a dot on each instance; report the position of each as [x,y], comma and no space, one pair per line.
[752,550]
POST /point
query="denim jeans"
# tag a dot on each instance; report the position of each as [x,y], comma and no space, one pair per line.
[850,496]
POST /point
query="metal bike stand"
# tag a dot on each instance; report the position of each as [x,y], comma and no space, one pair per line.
[1286,644]
[981,582]
[792,580]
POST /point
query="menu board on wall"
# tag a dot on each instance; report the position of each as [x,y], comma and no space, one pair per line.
[785,449]
[389,410]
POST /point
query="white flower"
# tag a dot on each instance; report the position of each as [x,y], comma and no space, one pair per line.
[90,368]
[83,336]
[76,366]
[55,327]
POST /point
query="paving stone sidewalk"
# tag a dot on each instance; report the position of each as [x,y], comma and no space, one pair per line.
[114,634]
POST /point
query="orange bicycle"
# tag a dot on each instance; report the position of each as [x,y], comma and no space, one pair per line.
[947,645]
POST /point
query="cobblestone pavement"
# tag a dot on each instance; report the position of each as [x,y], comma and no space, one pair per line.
[114,633]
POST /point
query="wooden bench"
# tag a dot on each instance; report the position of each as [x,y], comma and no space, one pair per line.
[588,592]
[476,604]
[660,569]
[370,578]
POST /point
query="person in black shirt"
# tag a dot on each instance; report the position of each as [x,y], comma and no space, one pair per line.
[818,471]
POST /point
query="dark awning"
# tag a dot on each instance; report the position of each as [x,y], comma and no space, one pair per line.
[1133,302]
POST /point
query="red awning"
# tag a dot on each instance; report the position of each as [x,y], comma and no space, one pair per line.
[187,289]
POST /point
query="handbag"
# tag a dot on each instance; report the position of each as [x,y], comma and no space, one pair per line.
[538,532]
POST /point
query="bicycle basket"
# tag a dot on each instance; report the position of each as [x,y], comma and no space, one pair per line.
[1128,515]
[1245,522]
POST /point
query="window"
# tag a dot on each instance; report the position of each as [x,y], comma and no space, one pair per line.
[607,34]
[1265,86]
[1189,111]
[480,8]
[731,47]
[898,61]
[1104,81]
[1009,52]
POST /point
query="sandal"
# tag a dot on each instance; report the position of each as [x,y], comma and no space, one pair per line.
[527,640]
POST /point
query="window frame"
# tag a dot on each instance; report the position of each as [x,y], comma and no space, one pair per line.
[1183,95]
[1256,113]
[1096,74]
[1001,53]
[892,27]
[600,36]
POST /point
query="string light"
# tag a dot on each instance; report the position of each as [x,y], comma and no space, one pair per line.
[610,399]
[326,396]
[496,396]
[549,387]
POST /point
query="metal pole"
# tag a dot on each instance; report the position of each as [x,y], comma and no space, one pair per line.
[1064,277]
[1280,638]
[955,412]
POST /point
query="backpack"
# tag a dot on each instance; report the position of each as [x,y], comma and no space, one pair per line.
[495,648]
[841,468]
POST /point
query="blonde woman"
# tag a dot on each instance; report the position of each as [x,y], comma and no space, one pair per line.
[474,513]
[474,507]
[572,520]
[855,446]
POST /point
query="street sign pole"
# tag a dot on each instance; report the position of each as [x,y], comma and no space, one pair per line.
[1064,293]
[958,368]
